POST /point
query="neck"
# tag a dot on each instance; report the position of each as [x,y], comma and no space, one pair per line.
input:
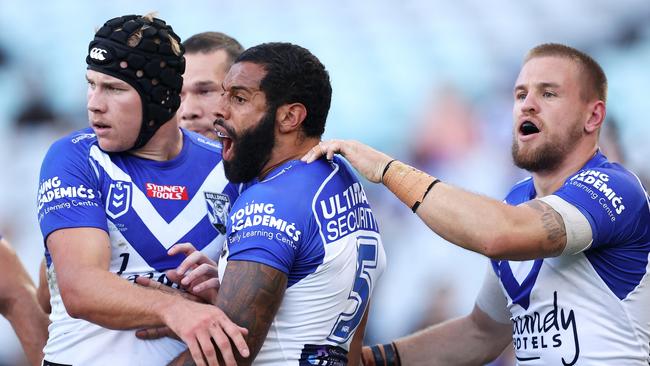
[165,144]
[285,151]
[547,182]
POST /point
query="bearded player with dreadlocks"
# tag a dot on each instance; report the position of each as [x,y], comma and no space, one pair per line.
[115,197]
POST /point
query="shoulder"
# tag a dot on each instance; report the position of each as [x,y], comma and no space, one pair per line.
[520,192]
[201,142]
[301,180]
[613,182]
[294,186]
[77,140]
[76,145]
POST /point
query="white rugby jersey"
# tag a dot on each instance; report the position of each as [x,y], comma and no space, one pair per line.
[145,207]
[312,222]
[590,308]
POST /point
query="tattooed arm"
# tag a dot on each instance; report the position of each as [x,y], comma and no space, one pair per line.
[250,294]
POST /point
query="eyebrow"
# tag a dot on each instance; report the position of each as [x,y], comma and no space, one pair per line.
[239,87]
[203,84]
[116,83]
[541,85]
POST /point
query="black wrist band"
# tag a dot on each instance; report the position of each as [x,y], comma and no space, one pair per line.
[377,355]
[389,350]
[398,360]
[386,169]
[389,356]
[417,203]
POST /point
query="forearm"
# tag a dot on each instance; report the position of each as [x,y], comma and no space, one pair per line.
[29,322]
[475,222]
[469,220]
[454,342]
[105,299]
[250,295]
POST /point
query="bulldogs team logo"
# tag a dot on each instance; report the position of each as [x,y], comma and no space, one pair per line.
[118,201]
[218,207]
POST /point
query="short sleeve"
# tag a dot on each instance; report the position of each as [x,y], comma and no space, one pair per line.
[609,198]
[263,230]
[68,193]
[491,298]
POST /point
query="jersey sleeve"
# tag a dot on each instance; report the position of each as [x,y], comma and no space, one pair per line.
[264,229]
[68,193]
[609,198]
[491,298]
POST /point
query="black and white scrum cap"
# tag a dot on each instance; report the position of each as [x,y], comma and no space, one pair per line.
[150,65]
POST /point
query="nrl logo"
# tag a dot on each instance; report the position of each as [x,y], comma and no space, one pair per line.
[218,207]
[118,200]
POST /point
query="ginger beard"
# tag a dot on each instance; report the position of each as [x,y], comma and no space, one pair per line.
[251,149]
[549,154]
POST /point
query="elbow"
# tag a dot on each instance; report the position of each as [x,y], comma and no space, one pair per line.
[495,246]
[514,246]
[500,246]
[73,301]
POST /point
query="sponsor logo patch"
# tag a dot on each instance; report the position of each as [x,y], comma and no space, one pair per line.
[167,192]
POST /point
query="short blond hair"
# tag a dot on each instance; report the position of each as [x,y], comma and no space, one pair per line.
[594,80]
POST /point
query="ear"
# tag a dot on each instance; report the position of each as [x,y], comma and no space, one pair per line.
[595,120]
[289,117]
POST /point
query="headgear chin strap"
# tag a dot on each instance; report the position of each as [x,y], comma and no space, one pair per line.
[151,66]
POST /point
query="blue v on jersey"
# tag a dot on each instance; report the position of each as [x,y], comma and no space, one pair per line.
[589,308]
[145,207]
[313,223]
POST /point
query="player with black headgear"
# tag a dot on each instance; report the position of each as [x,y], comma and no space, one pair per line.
[114,198]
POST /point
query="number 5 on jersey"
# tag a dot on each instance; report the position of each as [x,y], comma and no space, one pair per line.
[348,321]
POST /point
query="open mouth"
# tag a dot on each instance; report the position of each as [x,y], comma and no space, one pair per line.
[528,128]
[226,142]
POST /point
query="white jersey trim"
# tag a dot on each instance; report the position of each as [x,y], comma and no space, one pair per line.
[578,230]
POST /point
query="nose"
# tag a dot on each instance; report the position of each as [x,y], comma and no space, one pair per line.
[529,104]
[222,108]
[190,109]
[95,102]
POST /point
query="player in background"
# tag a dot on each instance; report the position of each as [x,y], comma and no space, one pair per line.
[19,305]
[114,198]
[208,56]
[303,248]
[568,278]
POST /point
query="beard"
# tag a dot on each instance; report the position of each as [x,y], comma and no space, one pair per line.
[547,156]
[251,150]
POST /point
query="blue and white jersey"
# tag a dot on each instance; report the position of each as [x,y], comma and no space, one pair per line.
[589,308]
[313,223]
[145,207]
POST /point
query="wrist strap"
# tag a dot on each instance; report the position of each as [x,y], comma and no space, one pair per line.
[417,203]
[410,185]
[385,355]
[386,169]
